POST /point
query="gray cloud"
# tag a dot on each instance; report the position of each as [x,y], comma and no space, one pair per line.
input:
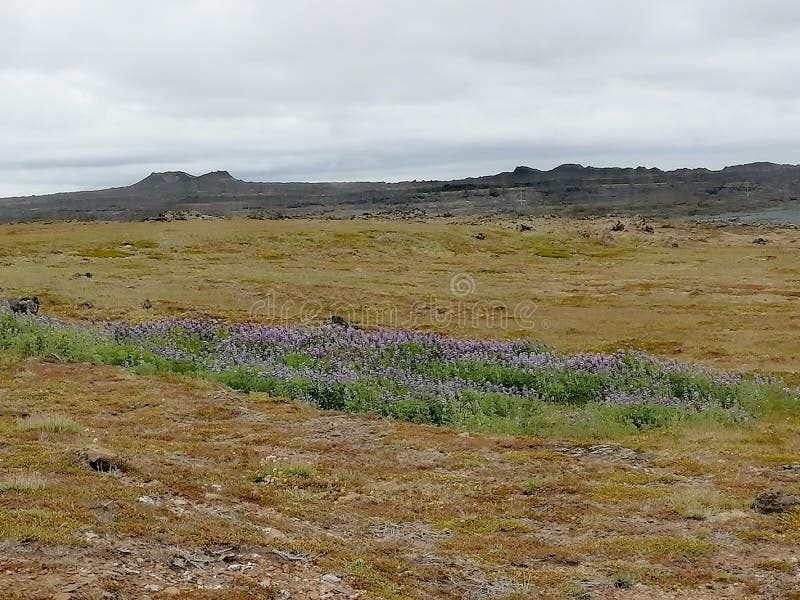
[100,93]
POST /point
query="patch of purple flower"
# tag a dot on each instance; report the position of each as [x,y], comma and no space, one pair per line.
[403,365]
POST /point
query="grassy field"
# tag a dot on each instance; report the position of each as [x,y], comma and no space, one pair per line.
[717,297]
[203,491]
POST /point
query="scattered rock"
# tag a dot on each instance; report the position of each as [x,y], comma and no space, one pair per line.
[87,305]
[775,501]
[342,322]
[642,225]
[674,244]
[183,215]
[618,226]
[147,305]
[28,305]
[293,556]
[331,578]
[479,236]
[86,275]
[407,214]
[101,460]
[761,241]
[523,227]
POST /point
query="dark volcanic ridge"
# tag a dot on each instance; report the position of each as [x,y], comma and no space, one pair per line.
[568,189]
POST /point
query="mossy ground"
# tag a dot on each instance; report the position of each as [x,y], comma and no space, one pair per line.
[399,510]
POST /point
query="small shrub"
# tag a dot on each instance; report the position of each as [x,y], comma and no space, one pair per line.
[623,581]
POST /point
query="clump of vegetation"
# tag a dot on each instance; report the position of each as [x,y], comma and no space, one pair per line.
[49,424]
[301,476]
[775,565]
[24,484]
[37,525]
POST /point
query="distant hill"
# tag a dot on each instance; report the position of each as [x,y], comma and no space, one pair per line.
[568,189]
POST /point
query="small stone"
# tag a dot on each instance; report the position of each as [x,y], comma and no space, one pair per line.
[331,578]
[152,587]
[171,591]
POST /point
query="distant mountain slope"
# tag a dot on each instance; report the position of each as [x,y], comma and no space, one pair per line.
[569,189]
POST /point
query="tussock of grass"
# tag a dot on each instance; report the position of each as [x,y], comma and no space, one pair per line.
[776,565]
[25,484]
[49,424]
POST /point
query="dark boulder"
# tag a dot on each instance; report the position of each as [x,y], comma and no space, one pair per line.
[775,501]
[29,305]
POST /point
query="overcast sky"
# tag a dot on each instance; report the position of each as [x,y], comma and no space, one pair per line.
[94,94]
